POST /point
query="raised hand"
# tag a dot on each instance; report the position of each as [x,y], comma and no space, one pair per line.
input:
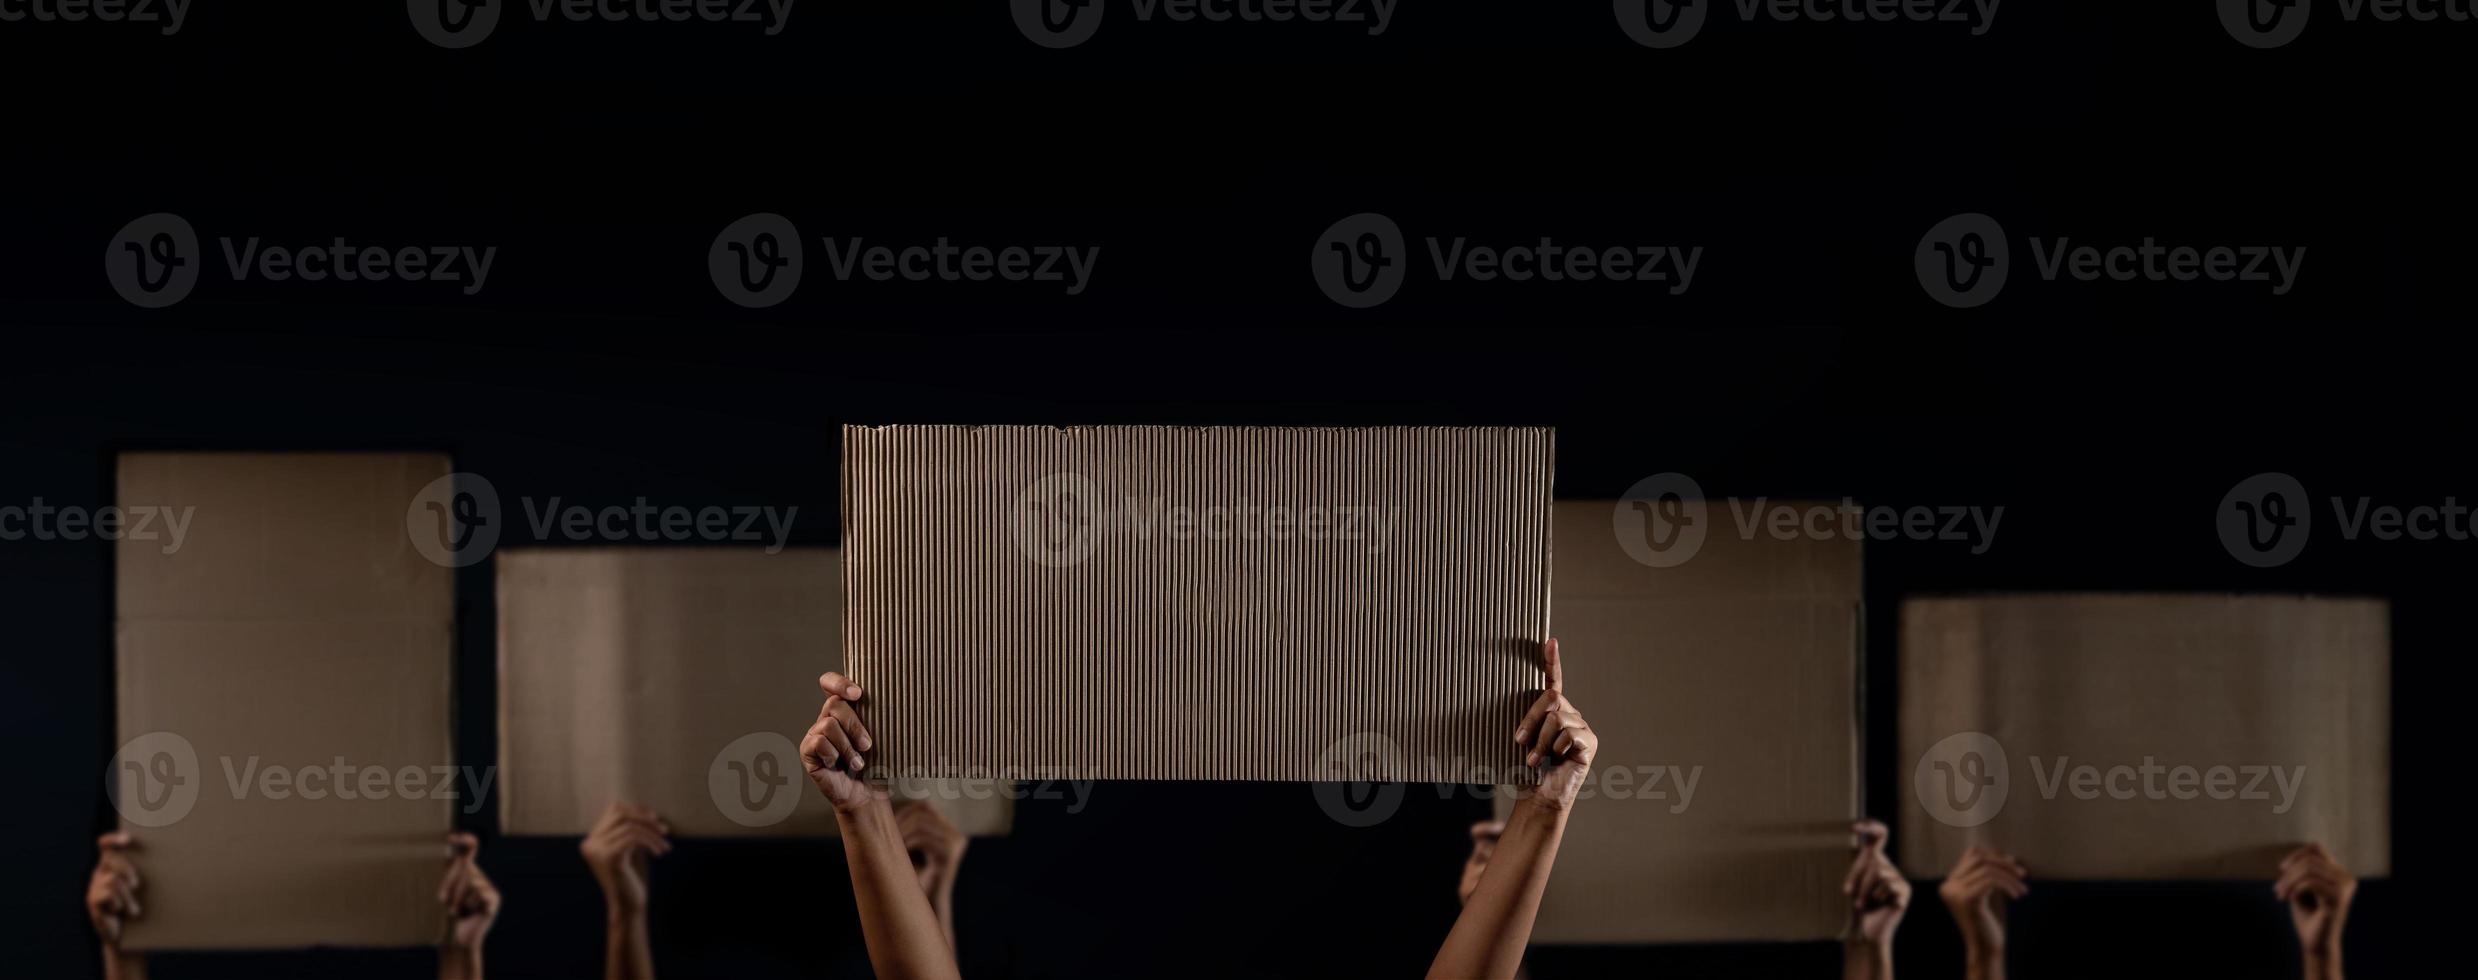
[1554,732]
[832,751]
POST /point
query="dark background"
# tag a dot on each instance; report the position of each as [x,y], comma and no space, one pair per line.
[600,365]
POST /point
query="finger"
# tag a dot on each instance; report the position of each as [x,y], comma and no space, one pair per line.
[1552,725]
[647,841]
[462,846]
[850,720]
[1871,834]
[1532,716]
[1549,661]
[816,754]
[118,840]
[128,899]
[836,685]
[841,741]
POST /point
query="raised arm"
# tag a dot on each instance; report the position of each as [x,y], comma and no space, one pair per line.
[111,900]
[471,904]
[1977,891]
[1879,897]
[1488,938]
[621,850]
[901,929]
[2319,892]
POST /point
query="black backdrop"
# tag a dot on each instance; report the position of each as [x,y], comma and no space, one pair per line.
[600,365]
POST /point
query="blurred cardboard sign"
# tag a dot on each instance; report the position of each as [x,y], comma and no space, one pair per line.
[1119,602]
[2145,737]
[1723,684]
[284,697]
[680,679]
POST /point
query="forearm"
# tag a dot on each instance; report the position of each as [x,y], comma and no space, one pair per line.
[2324,964]
[119,964]
[460,962]
[1982,962]
[627,949]
[901,929]
[944,903]
[1863,960]
[1489,937]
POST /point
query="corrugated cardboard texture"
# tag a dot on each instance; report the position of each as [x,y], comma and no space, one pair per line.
[2184,680]
[295,626]
[1122,602]
[675,678]
[1736,671]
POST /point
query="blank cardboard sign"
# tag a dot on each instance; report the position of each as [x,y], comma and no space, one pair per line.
[1115,602]
[284,702]
[2146,737]
[679,679]
[1723,687]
